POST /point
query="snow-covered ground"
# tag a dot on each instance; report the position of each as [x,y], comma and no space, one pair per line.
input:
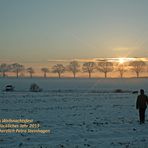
[79,112]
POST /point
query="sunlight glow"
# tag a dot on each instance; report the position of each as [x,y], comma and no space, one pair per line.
[122,60]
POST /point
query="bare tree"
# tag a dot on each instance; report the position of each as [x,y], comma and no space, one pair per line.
[30,70]
[137,67]
[4,68]
[89,67]
[59,69]
[105,67]
[17,68]
[74,67]
[121,69]
[45,71]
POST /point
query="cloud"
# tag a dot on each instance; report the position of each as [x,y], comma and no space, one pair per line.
[99,60]
[69,60]
[123,49]
[6,61]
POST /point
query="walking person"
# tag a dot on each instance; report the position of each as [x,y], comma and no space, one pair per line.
[141,105]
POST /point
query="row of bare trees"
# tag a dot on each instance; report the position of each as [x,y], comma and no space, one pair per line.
[74,67]
[16,68]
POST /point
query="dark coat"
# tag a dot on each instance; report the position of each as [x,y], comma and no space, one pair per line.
[142,101]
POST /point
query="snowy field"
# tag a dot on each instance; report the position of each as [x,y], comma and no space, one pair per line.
[80,113]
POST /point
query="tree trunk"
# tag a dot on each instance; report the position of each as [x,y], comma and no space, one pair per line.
[105,74]
[4,74]
[74,75]
[59,75]
[44,74]
[137,74]
[17,74]
[121,75]
[89,74]
[30,75]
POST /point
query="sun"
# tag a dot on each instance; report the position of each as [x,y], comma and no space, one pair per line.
[121,60]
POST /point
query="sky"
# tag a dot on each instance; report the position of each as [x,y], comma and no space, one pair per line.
[44,30]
